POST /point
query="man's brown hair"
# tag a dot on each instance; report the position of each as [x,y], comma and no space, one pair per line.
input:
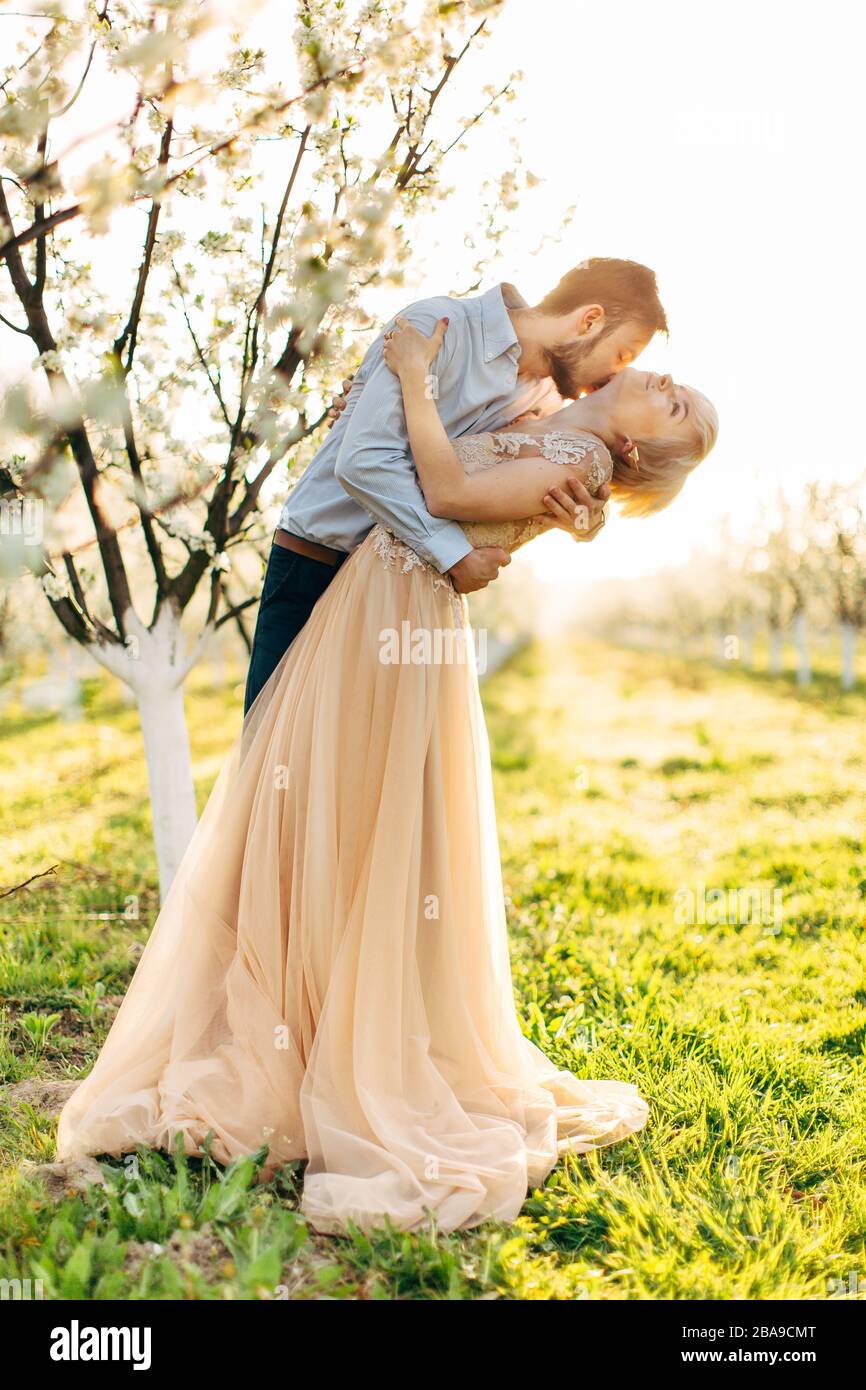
[625,289]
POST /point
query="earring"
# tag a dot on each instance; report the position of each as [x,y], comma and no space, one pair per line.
[633,456]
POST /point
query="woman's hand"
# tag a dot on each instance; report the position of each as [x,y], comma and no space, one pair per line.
[338,404]
[409,352]
[572,508]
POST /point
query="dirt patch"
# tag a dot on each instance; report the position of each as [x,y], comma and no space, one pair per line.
[203,1249]
[47,1096]
[62,1180]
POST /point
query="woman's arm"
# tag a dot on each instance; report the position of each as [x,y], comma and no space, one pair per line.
[513,491]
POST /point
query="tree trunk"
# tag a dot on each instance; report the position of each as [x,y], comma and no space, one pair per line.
[801,637]
[154,664]
[775,659]
[169,774]
[848,643]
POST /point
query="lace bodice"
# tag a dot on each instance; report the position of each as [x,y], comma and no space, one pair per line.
[480,451]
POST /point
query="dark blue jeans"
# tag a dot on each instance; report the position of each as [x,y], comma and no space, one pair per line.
[293,586]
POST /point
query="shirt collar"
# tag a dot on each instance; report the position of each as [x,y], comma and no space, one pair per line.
[497,328]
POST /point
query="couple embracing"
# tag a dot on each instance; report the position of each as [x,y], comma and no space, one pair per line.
[329,974]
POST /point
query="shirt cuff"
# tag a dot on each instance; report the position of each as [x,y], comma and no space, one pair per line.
[447,546]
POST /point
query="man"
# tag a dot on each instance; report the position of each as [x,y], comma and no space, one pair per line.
[501,359]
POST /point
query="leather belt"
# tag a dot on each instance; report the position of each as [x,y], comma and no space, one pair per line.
[323,553]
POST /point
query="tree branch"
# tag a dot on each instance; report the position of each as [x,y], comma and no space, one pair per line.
[269,269]
[7,892]
[46,225]
[130,332]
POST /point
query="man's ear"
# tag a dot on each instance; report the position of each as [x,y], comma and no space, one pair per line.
[589,320]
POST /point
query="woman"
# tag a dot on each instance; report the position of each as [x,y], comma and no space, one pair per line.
[330,971]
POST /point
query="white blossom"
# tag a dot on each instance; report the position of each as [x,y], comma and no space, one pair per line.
[56,586]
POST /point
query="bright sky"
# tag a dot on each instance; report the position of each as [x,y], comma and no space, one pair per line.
[722,147]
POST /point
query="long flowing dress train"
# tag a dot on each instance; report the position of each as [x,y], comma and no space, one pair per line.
[329,972]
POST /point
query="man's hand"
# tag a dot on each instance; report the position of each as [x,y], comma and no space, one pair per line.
[477,569]
[575,510]
[338,404]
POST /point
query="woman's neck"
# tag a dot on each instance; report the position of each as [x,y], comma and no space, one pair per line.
[590,413]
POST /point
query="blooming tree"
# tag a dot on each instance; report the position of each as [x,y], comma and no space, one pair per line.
[838,515]
[187,224]
[802,567]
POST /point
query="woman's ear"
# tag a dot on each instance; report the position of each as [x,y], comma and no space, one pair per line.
[628,450]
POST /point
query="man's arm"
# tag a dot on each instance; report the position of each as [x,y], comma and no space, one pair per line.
[375,465]
[512,491]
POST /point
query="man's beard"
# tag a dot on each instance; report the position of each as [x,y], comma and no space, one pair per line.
[566,365]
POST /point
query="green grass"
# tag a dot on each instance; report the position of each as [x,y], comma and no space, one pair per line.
[624,781]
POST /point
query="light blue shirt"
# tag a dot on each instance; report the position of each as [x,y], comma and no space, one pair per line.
[364,468]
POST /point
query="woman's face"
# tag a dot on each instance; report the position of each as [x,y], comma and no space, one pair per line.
[648,405]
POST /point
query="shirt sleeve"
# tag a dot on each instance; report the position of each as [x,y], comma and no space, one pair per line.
[375,465]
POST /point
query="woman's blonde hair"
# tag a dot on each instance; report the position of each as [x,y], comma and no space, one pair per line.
[663,465]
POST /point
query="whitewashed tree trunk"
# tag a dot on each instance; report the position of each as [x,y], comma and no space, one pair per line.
[801,639]
[747,639]
[169,775]
[848,644]
[154,664]
[775,661]
[218,666]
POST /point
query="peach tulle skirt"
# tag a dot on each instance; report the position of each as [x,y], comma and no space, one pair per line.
[329,972]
